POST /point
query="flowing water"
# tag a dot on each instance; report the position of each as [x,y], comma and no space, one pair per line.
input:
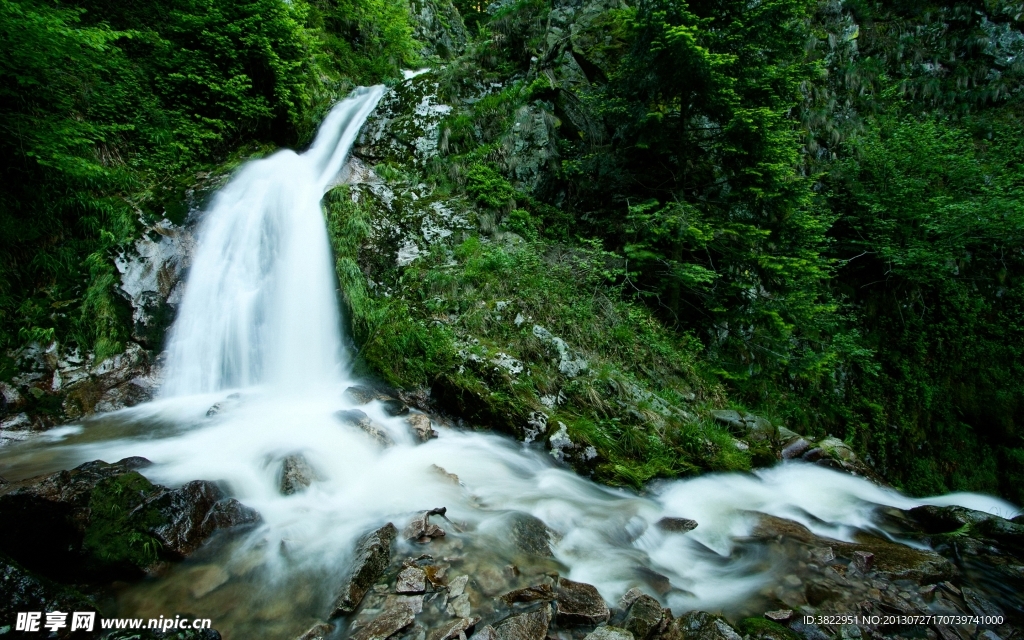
[259,334]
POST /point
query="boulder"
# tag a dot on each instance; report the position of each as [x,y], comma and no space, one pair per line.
[486,633]
[421,529]
[766,629]
[609,633]
[421,427]
[530,534]
[525,626]
[22,590]
[319,631]
[395,408]
[358,419]
[535,593]
[385,625]
[296,474]
[373,554]
[578,603]
[754,428]
[101,520]
[451,629]
[411,580]
[643,617]
[700,625]
[676,525]
[362,394]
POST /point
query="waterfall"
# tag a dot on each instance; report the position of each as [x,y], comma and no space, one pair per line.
[260,307]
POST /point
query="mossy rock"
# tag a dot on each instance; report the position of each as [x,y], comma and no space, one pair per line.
[765,629]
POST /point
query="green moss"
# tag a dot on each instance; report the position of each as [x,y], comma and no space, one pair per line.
[118,531]
[764,629]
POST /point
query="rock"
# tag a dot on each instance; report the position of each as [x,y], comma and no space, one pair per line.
[525,626]
[411,580]
[436,574]
[101,519]
[609,633]
[486,633]
[570,363]
[179,634]
[676,525]
[421,529]
[207,579]
[700,625]
[421,427]
[395,408]
[530,534]
[414,602]
[535,593]
[459,607]
[22,590]
[837,449]
[318,631]
[361,394]
[358,419]
[766,629]
[193,512]
[754,428]
[579,603]
[457,586]
[388,623]
[643,617]
[453,629]
[450,477]
[780,616]
[863,560]
[795,449]
[629,597]
[439,27]
[296,474]
[373,554]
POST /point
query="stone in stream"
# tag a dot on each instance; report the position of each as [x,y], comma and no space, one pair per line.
[459,607]
[388,623]
[296,474]
[700,625]
[373,554]
[358,419]
[578,603]
[453,629]
[421,427]
[362,394]
[530,534]
[318,631]
[486,633]
[609,633]
[421,529]
[676,525]
[100,520]
[643,617]
[796,448]
[535,593]
[525,626]
[413,602]
[395,408]
[411,580]
[457,586]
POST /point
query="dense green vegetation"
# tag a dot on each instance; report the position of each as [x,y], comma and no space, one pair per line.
[812,205]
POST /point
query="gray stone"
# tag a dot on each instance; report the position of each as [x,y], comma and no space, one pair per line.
[530,534]
[795,449]
[630,597]
[296,474]
[486,633]
[459,607]
[525,626]
[421,427]
[395,408]
[700,625]
[361,394]
[457,586]
[535,593]
[318,631]
[453,628]
[643,617]
[609,633]
[676,525]
[373,554]
[414,602]
[421,529]
[358,419]
[388,623]
[411,580]
[579,603]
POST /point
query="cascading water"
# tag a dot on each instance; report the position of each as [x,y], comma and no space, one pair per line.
[258,332]
[259,309]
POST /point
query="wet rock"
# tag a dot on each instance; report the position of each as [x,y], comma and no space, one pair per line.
[193,512]
[450,477]
[296,474]
[535,593]
[319,631]
[457,586]
[459,607]
[180,634]
[421,529]
[102,519]
[643,617]
[676,525]
[795,449]
[436,574]
[486,633]
[837,449]
[358,419]
[439,27]
[453,628]
[780,616]
[207,579]
[525,626]
[361,394]
[579,603]
[421,427]
[863,561]
[700,625]
[22,590]
[609,633]
[414,602]
[395,408]
[373,553]
[754,428]
[629,598]
[765,629]
[529,534]
[411,580]
[388,623]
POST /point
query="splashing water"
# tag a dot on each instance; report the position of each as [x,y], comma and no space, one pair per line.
[260,315]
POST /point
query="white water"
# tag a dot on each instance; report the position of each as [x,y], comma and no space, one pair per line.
[260,315]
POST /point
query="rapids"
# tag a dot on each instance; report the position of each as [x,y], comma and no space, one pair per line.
[259,333]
